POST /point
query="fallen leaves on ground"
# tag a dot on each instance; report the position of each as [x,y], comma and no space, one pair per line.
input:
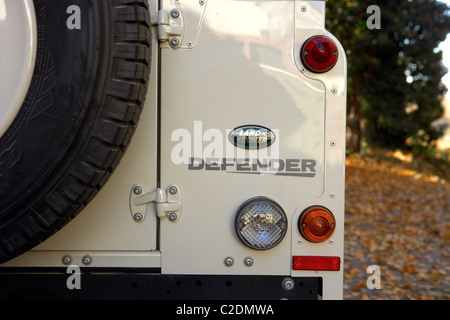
[397,217]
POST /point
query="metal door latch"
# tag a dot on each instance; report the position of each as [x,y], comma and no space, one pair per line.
[168,202]
[170,26]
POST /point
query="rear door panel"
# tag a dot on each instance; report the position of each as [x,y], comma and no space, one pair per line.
[241,72]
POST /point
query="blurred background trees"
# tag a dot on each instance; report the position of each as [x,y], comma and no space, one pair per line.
[394,73]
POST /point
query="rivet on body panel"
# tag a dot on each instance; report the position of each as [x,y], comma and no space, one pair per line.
[248,261]
[229,261]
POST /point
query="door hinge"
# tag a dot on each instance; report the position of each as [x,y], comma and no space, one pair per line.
[170,27]
[168,202]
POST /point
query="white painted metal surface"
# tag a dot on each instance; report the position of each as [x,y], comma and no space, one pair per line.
[18,41]
[240,73]
[238,64]
[310,22]
[246,69]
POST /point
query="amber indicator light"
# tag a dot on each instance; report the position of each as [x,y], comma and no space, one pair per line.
[316,224]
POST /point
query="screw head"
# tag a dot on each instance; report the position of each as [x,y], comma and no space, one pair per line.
[173,190]
[66,259]
[333,143]
[137,190]
[229,261]
[248,261]
[87,259]
[175,13]
[173,216]
[138,216]
[174,42]
[288,284]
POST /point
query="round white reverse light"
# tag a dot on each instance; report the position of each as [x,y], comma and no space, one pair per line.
[261,223]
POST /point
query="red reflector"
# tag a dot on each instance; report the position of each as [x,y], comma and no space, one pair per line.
[319,54]
[317,263]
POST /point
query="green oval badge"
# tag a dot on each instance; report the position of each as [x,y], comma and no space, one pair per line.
[252,137]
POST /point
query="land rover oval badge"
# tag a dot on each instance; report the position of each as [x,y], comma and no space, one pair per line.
[252,137]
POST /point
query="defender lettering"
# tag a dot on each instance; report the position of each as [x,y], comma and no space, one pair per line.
[286,167]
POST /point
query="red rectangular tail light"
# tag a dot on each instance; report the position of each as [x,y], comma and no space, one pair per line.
[317,263]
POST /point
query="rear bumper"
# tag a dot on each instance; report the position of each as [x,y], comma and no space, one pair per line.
[150,285]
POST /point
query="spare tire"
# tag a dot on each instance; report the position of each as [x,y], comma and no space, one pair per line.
[79,114]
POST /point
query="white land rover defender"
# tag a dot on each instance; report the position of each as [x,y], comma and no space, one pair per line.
[171,149]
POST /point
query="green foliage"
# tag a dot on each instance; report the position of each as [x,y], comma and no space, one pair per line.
[395,72]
